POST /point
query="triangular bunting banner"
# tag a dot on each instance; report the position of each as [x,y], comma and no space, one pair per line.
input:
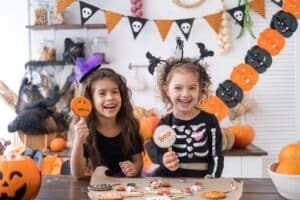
[214,21]
[86,11]
[185,26]
[136,25]
[238,14]
[163,26]
[277,2]
[112,19]
[61,5]
[259,7]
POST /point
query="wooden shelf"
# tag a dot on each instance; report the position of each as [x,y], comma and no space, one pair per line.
[66,26]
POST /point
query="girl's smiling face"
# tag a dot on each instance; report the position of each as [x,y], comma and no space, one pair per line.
[183,91]
[106,98]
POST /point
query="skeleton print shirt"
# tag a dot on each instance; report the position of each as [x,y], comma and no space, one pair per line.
[198,140]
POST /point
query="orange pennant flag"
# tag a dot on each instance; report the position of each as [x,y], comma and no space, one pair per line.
[61,5]
[163,26]
[112,19]
[214,20]
[259,7]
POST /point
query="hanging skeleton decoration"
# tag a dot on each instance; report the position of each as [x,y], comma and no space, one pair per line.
[86,11]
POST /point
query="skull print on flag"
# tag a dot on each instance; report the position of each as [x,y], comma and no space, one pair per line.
[136,24]
[238,14]
[185,26]
[277,2]
[86,11]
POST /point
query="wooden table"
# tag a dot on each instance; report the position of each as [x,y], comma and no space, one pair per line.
[66,187]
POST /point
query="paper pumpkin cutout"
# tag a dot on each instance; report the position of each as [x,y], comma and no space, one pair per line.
[292,6]
[216,106]
[19,178]
[51,165]
[285,23]
[230,93]
[81,106]
[245,76]
[259,59]
[271,40]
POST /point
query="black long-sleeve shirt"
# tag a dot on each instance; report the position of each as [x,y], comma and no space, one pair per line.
[198,140]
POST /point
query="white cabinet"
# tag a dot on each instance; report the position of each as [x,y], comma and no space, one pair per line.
[243,166]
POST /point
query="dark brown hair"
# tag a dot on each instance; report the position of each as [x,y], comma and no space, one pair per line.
[166,71]
[125,118]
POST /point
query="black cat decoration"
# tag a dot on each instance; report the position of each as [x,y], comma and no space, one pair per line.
[285,23]
[72,51]
[230,93]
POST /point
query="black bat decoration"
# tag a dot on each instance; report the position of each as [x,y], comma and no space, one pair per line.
[179,45]
[203,51]
[154,61]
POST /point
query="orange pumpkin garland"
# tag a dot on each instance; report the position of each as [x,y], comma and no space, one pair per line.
[292,6]
[20,178]
[271,40]
[216,106]
[245,76]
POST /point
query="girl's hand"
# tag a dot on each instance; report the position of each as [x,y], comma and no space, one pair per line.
[170,161]
[81,130]
[208,176]
[128,168]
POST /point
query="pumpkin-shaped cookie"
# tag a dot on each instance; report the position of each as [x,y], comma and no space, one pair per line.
[271,40]
[213,195]
[244,76]
[81,106]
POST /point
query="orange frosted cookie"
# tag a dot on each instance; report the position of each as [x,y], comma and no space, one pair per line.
[110,196]
[81,106]
[213,195]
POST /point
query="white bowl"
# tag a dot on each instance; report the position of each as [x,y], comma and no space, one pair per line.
[287,185]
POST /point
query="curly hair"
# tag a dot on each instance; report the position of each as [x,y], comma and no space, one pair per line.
[125,118]
[166,70]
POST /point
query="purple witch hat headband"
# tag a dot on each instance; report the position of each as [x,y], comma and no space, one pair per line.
[155,61]
[87,66]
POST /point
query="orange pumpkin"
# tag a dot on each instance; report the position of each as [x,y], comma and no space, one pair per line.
[244,76]
[51,165]
[19,178]
[289,167]
[216,106]
[81,106]
[139,112]
[243,135]
[292,6]
[147,126]
[290,152]
[57,144]
[271,40]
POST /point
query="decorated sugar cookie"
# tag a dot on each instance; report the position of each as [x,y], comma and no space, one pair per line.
[164,136]
[213,195]
[81,106]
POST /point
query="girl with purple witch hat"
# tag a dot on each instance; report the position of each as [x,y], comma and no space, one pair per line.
[109,136]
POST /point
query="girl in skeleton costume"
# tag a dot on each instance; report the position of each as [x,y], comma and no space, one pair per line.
[183,83]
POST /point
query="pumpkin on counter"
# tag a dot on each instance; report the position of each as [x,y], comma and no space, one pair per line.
[147,126]
[57,144]
[19,178]
[289,160]
[243,135]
